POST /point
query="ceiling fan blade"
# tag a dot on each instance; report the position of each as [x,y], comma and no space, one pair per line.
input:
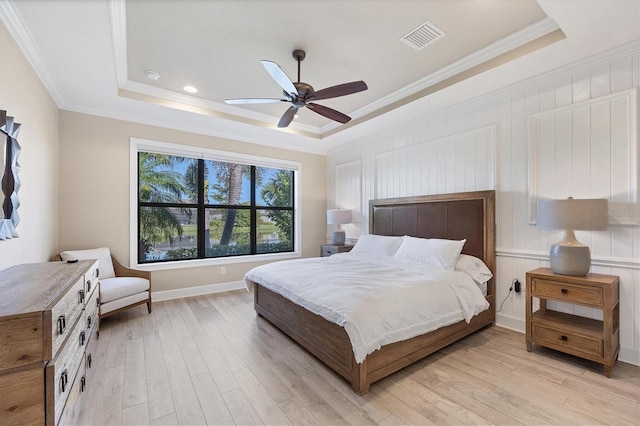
[280,77]
[287,117]
[340,90]
[329,113]
[254,101]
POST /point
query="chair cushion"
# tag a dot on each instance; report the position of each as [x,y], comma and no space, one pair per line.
[119,287]
[102,254]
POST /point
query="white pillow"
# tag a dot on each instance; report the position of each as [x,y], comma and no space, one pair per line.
[102,254]
[377,244]
[474,267]
[433,251]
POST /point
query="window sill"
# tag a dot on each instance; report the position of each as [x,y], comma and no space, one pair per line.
[199,263]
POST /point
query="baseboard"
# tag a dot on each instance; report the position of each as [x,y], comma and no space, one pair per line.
[512,323]
[628,355]
[159,296]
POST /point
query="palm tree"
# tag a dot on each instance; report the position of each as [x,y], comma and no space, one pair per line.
[277,193]
[192,189]
[228,190]
[158,183]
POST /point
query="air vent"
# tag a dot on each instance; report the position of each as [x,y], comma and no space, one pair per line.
[423,36]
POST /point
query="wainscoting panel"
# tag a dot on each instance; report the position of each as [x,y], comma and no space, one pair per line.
[585,112]
[349,192]
[456,163]
[587,150]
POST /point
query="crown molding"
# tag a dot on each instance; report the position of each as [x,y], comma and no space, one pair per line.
[514,41]
[18,30]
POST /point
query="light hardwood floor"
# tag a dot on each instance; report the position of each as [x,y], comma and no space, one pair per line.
[211,360]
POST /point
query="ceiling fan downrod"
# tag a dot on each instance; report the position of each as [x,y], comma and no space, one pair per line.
[299,56]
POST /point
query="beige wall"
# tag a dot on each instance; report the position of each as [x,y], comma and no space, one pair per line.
[94,191]
[24,97]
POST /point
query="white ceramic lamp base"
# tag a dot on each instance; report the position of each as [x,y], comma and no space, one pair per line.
[338,237]
[570,257]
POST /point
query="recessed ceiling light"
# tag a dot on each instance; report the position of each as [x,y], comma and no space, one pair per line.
[152,75]
[190,89]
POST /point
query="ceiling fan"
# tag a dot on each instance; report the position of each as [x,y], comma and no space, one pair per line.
[302,94]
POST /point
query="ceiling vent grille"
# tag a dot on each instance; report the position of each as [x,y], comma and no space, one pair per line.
[423,36]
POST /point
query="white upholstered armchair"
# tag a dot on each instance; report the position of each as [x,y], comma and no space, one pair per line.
[120,287]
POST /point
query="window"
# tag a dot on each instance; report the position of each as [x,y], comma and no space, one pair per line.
[201,205]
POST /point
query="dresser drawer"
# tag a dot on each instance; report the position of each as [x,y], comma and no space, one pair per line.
[591,296]
[65,314]
[91,280]
[568,342]
[71,411]
[90,314]
[90,354]
[61,371]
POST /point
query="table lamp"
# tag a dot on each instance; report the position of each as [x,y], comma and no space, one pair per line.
[568,256]
[337,218]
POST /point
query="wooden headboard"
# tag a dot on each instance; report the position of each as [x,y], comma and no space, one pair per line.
[463,215]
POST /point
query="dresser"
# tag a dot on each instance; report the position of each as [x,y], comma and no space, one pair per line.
[596,340]
[48,329]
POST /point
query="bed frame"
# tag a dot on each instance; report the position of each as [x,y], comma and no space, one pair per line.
[469,215]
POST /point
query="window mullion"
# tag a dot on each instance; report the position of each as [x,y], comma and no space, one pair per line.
[253,234]
[202,228]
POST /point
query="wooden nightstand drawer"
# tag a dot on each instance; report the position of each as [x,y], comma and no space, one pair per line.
[567,342]
[329,249]
[591,296]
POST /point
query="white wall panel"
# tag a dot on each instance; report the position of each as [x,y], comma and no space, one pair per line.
[348,194]
[581,117]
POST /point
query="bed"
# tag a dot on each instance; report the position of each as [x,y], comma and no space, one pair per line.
[457,216]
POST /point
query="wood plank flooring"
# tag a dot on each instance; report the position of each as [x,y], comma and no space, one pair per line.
[211,360]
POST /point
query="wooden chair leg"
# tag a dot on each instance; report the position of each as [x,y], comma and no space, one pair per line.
[149,306]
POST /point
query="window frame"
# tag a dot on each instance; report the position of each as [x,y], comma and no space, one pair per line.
[145,145]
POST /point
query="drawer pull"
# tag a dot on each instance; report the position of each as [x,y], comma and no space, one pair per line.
[98,301]
[89,360]
[88,322]
[82,338]
[83,383]
[97,272]
[63,381]
[88,286]
[564,338]
[564,291]
[62,324]
[81,297]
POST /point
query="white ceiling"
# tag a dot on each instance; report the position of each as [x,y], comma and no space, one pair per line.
[92,56]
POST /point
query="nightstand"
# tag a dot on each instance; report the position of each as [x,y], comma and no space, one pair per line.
[329,249]
[587,338]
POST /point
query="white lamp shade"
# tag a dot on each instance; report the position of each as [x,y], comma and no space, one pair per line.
[583,215]
[338,217]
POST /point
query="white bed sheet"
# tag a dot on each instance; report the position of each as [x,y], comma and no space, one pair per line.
[377,299]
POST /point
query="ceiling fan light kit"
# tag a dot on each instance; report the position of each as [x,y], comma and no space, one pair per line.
[301,94]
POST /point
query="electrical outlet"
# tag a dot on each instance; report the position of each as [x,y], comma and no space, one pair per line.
[223,270]
[517,286]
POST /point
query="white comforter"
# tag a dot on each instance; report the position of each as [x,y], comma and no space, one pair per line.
[377,299]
